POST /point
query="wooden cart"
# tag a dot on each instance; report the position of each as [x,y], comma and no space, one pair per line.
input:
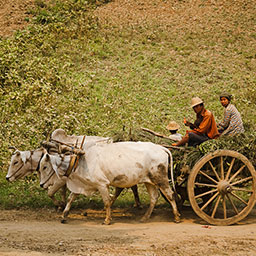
[220,187]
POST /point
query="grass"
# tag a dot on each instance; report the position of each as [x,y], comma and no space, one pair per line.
[71,69]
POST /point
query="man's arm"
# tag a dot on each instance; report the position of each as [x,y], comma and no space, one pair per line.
[225,123]
[204,125]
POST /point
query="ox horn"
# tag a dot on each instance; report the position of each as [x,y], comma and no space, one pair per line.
[12,147]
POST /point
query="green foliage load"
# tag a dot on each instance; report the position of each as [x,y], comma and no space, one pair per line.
[243,143]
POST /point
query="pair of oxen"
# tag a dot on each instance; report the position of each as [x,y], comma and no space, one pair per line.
[86,164]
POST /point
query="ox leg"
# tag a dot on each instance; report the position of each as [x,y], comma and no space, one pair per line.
[136,196]
[63,194]
[107,203]
[153,193]
[117,193]
[51,192]
[71,198]
[169,195]
[135,193]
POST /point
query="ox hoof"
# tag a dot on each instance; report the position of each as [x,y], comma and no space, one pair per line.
[63,221]
[177,219]
[143,220]
[60,208]
[106,222]
[137,206]
[85,214]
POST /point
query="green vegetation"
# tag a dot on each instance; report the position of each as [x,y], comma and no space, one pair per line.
[71,70]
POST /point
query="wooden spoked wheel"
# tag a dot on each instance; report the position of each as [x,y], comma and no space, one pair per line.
[222,187]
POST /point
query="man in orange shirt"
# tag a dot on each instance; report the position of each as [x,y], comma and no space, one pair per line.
[203,129]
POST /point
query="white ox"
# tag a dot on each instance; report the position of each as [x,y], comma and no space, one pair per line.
[122,165]
[24,163]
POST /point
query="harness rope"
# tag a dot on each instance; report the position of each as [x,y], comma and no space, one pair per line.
[74,161]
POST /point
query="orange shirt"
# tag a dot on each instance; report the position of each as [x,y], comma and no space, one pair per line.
[208,125]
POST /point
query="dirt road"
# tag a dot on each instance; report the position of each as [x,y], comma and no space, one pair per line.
[37,233]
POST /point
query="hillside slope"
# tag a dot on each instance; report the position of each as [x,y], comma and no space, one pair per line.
[121,64]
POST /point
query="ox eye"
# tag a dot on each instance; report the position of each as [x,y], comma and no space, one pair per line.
[15,162]
[44,167]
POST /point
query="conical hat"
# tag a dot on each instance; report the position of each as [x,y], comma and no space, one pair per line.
[172,126]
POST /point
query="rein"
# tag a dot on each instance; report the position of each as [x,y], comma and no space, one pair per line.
[38,165]
[16,171]
[48,178]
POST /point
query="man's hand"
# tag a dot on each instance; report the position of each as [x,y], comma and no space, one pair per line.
[186,122]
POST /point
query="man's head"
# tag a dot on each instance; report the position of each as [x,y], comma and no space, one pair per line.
[173,127]
[197,104]
[225,99]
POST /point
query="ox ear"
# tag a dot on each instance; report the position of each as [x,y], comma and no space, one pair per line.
[55,164]
[25,156]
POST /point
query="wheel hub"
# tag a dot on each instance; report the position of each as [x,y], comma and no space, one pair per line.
[224,187]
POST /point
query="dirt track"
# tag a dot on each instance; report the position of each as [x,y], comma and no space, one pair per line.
[38,233]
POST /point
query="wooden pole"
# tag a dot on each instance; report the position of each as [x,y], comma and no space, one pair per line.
[155,133]
[162,136]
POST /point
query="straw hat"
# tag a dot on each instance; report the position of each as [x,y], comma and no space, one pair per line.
[172,126]
[196,101]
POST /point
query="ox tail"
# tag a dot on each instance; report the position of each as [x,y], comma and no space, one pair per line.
[170,169]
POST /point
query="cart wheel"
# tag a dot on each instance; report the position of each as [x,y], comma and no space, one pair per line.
[222,187]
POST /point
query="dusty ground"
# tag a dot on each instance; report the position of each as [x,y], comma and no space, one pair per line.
[37,233]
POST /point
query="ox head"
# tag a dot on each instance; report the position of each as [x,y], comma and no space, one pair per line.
[24,163]
[20,165]
[51,169]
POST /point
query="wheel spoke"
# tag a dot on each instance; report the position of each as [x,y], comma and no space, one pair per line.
[239,198]
[207,176]
[216,174]
[224,207]
[242,189]
[206,193]
[232,203]
[241,168]
[216,206]
[221,168]
[230,168]
[205,185]
[209,201]
[241,181]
